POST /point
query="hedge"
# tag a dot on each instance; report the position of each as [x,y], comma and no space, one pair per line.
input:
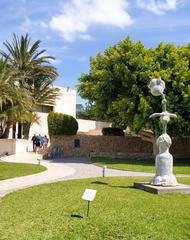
[109,131]
[61,124]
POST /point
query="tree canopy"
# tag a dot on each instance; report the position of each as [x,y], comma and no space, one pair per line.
[32,67]
[116,86]
[15,102]
[29,73]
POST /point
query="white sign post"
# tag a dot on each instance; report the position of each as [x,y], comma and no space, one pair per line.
[89,195]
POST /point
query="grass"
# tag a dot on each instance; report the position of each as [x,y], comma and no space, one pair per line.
[56,212]
[181,166]
[11,170]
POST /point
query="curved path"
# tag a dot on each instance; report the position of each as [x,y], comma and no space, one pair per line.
[58,170]
[85,169]
[53,173]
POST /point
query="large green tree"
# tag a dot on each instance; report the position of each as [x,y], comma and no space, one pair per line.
[33,72]
[117,85]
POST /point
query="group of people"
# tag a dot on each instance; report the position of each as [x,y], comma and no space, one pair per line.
[39,142]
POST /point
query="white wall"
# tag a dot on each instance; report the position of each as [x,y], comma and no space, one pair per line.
[41,128]
[65,103]
[21,145]
[12,146]
[7,146]
[86,125]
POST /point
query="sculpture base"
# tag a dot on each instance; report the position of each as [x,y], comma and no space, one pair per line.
[165,181]
[180,188]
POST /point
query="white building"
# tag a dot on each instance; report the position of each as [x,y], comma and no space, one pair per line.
[66,104]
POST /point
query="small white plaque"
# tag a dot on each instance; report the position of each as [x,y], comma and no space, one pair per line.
[89,194]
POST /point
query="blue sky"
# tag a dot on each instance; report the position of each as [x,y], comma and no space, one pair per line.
[74,30]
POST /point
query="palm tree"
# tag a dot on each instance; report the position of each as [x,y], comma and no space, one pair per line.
[5,75]
[33,70]
[5,96]
[14,101]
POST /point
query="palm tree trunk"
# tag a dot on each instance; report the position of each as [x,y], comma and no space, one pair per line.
[6,132]
[26,130]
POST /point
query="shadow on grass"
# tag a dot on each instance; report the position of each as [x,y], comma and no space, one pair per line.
[76,216]
[99,182]
[109,185]
[121,186]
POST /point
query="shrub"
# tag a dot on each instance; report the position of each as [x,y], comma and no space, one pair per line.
[109,131]
[61,124]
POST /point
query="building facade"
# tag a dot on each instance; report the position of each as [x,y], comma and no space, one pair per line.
[65,103]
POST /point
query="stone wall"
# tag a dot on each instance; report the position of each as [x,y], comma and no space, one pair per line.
[180,147]
[80,145]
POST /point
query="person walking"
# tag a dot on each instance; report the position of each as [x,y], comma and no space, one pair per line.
[38,143]
[41,140]
[34,138]
[45,142]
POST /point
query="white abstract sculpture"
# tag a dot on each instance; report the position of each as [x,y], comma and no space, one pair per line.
[157,86]
[164,160]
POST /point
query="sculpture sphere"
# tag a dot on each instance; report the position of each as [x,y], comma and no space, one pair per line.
[157,86]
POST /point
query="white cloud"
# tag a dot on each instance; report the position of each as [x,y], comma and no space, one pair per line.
[29,25]
[86,37]
[158,7]
[83,59]
[78,15]
[26,24]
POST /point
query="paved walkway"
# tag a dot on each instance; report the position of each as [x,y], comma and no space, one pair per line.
[53,173]
[85,169]
[58,170]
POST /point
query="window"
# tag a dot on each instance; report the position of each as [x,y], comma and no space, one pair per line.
[77,143]
[44,108]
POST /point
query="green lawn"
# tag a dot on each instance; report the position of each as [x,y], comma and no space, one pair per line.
[54,212]
[11,170]
[181,166]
